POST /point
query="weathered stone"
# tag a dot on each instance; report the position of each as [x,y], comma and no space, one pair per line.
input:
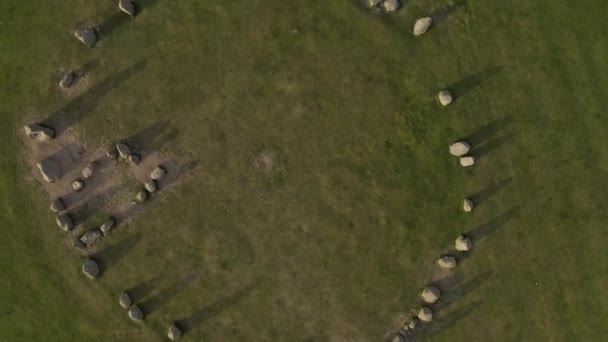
[425,314]
[127,6]
[88,170]
[413,323]
[422,25]
[447,262]
[372,3]
[67,80]
[112,152]
[86,35]
[390,5]
[463,244]
[79,245]
[174,332]
[91,237]
[430,295]
[57,205]
[125,300]
[459,148]
[445,97]
[141,196]
[123,149]
[90,268]
[39,132]
[107,226]
[135,313]
[158,173]
[467,205]
[64,221]
[397,338]
[50,170]
[467,161]
[77,185]
[150,186]
[134,159]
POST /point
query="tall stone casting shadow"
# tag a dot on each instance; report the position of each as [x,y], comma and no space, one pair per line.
[488,131]
[164,296]
[111,255]
[465,85]
[152,137]
[442,322]
[483,231]
[484,195]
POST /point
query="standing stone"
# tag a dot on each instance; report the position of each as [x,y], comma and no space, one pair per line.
[141,196]
[39,132]
[90,268]
[127,6]
[425,314]
[134,159]
[467,161]
[459,148]
[463,244]
[174,332]
[79,245]
[467,205]
[88,171]
[124,150]
[86,35]
[158,173]
[67,80]
[430,295]
[77,185]
[413,323]
[91,237]
[447,262]
[125,300]
[64,221]
[422,25]
[135,313]
[107,226]
[390,5]
[112,152]
[50,170]
[445,97]
[57,205]
[150,186]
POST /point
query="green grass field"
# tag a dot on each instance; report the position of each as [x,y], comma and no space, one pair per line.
[336,239]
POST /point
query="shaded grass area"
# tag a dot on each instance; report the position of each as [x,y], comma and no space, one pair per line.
[333,235]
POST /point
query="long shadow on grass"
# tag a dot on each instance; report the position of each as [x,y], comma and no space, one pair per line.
[488,131]
[164,296]
[111,255]
[465,85]
[484,195]
[483,231]
[443,321]
[141,290]
[76,109]
[152,137]
[200,317]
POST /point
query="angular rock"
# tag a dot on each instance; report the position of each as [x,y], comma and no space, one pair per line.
[91,237]
[425,314]
[141,196]
[125,300]
[135,313]
[127,6]
[134,159]
[430,295]
[463,244]
[88,170]
[467,205]
[67,80]
[112,152]
[158,173]
[64,221]
[467,161]
[447,262]
[39,132]
[50,170]
[123,149]
[390,5]
[79,245]
[445,97]
[459,148]
[77,185]
[90,268]
[57,205]
[86,35]
[174,332]
[422,25]
[107,226]
[150,186]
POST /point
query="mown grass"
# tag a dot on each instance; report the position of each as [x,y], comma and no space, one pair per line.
[337,240]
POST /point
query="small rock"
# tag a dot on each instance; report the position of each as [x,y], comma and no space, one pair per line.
[88,171]
[127,6]
[135,313]
[422,25]
[174,332]
[50,170]
[57,205]
[134,159]
[459,148]
[413,323]
[447,262]
[107,226]
[123,149]
[467,161]
[39,132]
[91,237]
[77,185]
[67,80]
[372,3]
[90,268]
[445,97]
[141,196]
[79,245]
[390,5]
[430,295]
[150,186]
[467,205]
[112,152]
[158,173]
[64,221]
[425,314]
[463,244]
[86,35]
[125,300]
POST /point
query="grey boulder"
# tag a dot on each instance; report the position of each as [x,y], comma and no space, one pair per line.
[125,300]
[158,173]
[67,80]
[390,5]
[127,6]
[141,196]
[447,262]
[39,132]
[90,268]
[88,170]
[123,149]
[174,332]
[422,25]
[50,170]
[134,159]
[107,226]
[135,313]
[64,221]
[57,205]
[150,186]
[79,245]
[112,152]
[86,35]
[91,237]
[77,185]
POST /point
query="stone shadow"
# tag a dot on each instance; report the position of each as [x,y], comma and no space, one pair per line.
[443,13]
[175,171]
[111,23]
[111,255]
[488,131]
[152,137]
[442,322]
[164,296]
[465,85]
[483,231]
[85,69]
[68,157]
[455,289]
[141,290]
[82,105]
[484,195]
